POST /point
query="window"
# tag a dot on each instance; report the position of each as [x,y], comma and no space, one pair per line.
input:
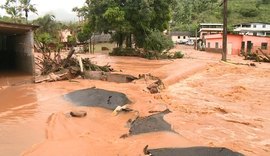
[264,26]
[254,26]
[184,37]
[216,46]
[264,46]
[208,45]
[178,37]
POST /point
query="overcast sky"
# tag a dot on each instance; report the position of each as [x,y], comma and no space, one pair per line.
[62,9]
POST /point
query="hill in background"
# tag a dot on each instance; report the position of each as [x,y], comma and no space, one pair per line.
[189,13]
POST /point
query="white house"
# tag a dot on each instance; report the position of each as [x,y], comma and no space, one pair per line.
[255,28]
[180,36]
[210,28]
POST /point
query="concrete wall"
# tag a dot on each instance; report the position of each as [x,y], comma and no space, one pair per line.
[257,42]
[234,42]
[179,39]
[24,50]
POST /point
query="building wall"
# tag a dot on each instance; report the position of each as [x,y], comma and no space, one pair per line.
[175,39]
[260,25]
[235,42]
[256,29]
[257,42]
[24,49]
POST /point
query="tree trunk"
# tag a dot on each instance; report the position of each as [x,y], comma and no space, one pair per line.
[90,46]
[93,51]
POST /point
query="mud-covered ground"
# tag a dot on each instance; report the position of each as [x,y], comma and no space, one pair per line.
[212,104]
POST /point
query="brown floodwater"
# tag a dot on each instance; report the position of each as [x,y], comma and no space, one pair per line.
[24,109]
[213,104]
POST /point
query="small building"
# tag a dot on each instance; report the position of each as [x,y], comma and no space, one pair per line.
[180,36]
[210,28]
[64,34]
[255,29]
[237,43]
[17,47]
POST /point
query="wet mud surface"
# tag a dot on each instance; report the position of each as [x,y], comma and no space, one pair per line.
[194,151]
[95,97]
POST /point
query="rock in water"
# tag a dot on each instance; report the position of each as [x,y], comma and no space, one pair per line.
[78,114]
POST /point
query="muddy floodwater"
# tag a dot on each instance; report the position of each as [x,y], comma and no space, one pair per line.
[214,107]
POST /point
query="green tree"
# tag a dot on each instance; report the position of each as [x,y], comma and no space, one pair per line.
[26,7]
[127,18]
[12,10]
[15,8]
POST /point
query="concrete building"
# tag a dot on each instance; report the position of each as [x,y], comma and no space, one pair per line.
[237,43]
[180,36]
[16,47]
[255,29]
[210,28]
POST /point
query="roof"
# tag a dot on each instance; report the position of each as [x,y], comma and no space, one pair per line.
[213,36]
[180,33]
[211,24]
[8,28]
[252,23]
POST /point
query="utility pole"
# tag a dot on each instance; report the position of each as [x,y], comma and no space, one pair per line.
[225,19]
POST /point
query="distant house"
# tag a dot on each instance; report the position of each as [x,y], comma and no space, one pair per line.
[237,43]
[100,38]
[180,36]
[64,35]
[256,29]
[210,28]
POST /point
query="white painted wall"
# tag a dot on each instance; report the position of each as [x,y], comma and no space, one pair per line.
[178,39]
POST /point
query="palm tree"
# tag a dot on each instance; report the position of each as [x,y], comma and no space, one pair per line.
[12,10]
[26,7]
[14,13]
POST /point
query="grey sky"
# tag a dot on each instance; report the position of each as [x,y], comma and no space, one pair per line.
[62,9]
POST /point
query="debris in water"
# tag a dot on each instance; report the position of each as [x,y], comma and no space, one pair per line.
[78,114]
[156,83]
[121,108]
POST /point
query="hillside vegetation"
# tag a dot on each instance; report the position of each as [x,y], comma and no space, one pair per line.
[189,13]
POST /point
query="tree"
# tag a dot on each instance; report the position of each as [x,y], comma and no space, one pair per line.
[15,8]
[12,10]
[48,33]
[127,18]
[26,7]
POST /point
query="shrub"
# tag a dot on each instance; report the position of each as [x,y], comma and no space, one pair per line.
[178,55]
[125,52]
[249,12]
[158,42]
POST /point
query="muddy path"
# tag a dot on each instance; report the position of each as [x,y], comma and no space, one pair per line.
[212,104]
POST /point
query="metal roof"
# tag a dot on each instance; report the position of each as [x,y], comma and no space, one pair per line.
[180,33]
[211,24]
[252,23]
[7,28]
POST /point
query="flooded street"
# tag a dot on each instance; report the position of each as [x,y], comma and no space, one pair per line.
[212,104]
